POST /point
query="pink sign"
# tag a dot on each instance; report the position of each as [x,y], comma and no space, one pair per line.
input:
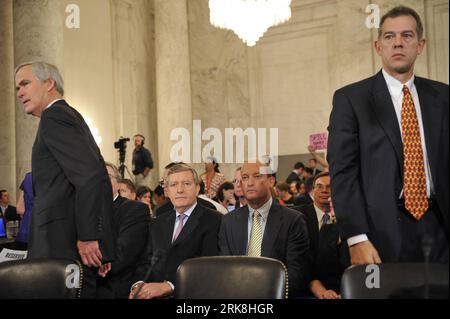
[319,140]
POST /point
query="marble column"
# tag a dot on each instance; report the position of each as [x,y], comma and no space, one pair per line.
[7,144]
[173,88]
[38,36]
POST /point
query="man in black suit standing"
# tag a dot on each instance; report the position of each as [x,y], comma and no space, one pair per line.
[189,230]
[73,198]
[130,224]
[388,151]
[265,228]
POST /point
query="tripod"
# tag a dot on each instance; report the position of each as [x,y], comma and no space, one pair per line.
[122,168]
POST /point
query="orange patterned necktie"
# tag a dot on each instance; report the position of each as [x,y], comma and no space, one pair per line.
[414,181]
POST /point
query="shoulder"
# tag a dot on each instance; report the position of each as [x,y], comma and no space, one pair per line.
[360,87]
[289,215]
[209,213]
[133,208]
[438,87]
[237,214]
[61,112]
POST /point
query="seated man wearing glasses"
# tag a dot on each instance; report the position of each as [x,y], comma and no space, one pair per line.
[265,228]
[330,253]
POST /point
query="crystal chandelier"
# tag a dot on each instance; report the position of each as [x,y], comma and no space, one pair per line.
[249,19]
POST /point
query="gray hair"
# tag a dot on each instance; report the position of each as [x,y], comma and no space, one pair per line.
[115,170]
[182,167]
[45,71]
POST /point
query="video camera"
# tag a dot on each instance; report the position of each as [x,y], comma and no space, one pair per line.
[121,144]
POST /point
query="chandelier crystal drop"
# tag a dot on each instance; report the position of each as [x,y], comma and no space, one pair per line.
[249,19]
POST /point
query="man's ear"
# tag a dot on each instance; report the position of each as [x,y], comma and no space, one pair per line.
[197,188]
[51,84]
[272,181]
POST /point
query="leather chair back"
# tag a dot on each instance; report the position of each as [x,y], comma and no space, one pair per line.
[231,277]
[40,278]
[396,280]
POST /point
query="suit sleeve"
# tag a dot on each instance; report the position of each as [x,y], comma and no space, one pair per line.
[345,168]
[210,244]
[132,237]
[224,247]
[298,256]
[79,158]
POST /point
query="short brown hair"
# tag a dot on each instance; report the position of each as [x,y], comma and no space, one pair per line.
[283,187]
[129,184]
[322,174]
[400,11]
[181,167]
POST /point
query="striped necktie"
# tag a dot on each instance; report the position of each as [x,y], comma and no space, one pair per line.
[254,246]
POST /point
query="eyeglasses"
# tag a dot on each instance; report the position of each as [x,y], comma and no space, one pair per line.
[321,187]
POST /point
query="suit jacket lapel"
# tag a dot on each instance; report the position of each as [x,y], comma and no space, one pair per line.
[168,227]
[273,225]
[431,110]
[190,225]
[385,112]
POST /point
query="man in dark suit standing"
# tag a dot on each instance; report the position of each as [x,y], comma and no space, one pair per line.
[265,228]
[388,151]
[130,224]
[189,230]
[73,198]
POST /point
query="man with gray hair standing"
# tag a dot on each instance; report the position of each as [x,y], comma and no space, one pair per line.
[73,197]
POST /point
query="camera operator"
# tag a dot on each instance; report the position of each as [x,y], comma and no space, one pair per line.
[142,161]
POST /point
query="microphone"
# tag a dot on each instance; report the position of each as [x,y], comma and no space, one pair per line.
[427,244]
[155,258]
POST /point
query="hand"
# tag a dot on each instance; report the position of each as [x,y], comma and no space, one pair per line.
[104,270]
[329,294]
[90,253]
[364,253]
[152,290]
[311,148]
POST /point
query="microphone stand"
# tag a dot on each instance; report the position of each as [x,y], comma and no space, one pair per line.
[155,258]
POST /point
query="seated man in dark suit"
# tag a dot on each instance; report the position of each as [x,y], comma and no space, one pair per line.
[189,230]
[330,254]
[6,210]
[130,227]
[265,228]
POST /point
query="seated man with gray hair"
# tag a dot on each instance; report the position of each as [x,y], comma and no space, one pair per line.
[189,230]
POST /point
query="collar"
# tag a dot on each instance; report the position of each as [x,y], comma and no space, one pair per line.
[115,197]
[188,212]
[395,86]
[52,102]
[263,210]
[319,213]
